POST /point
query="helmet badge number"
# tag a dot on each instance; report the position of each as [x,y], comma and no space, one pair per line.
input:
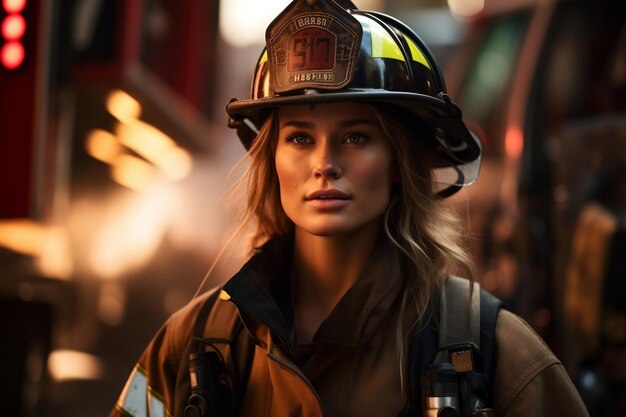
[312,46]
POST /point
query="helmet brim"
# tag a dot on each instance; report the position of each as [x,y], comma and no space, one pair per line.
[445,119]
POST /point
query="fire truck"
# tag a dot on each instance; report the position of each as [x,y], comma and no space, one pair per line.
[543,83]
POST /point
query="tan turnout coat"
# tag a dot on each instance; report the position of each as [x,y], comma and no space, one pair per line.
[350,369]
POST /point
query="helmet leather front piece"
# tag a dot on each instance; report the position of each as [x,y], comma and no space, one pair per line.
[312,45]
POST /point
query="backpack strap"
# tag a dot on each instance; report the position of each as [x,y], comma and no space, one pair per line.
[219,355]
[227,333]
[489,308]
[459,315]
[182,376]
[465,318]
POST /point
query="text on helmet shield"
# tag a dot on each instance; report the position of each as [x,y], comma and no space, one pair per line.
[311,49]
[312,21]
[312,46]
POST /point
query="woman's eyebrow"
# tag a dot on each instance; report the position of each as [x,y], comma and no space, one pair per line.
[298,124]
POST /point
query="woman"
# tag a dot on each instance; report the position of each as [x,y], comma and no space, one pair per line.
[356,147]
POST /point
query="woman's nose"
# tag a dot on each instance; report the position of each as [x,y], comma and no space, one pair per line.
[326,164]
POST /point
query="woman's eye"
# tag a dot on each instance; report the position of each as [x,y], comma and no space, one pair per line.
[356,138]
[298,139]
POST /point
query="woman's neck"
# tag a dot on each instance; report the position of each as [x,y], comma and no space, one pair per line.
[323,269]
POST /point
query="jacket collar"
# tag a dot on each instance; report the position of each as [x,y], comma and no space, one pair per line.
[262,292]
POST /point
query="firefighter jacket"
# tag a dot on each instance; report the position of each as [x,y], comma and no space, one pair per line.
[351,367]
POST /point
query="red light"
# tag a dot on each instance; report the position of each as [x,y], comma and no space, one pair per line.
[12,55]
[514,142]
[13,27]
[14,6]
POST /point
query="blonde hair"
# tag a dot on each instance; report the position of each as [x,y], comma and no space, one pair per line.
[424,229]
[263,191]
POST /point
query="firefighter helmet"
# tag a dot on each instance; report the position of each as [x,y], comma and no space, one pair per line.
[318,52]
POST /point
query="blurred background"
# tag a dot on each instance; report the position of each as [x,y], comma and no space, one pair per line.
[115,160]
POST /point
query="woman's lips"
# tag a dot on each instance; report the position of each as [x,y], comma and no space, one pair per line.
[328,199]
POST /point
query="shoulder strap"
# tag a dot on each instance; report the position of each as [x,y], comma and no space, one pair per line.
[459,315]
[217,329]
[489,309]
[464,318]
[183,385]
[222,330]
[467,316]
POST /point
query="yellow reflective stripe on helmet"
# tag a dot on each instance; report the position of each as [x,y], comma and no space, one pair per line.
[383,45]
[416,53]
[263,57]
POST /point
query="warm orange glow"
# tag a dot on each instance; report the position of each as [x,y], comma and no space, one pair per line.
[103,145]
[122,106]
[514,142]
[22,235]
[66,365]
[145,139]
[55,259]
[14,6]
[13,27]
[156,147]
[132,172]
[129,238]
[12,55]
[48,244]
[176,163]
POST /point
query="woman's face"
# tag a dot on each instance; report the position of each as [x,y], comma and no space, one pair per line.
[334,165]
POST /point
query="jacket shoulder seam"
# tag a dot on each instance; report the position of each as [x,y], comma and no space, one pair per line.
[524,380]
